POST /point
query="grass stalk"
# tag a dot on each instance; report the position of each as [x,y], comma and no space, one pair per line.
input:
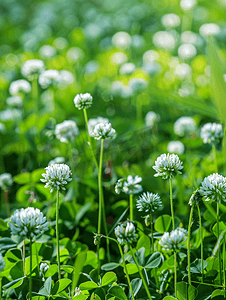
[200,226]
[171,203]
[140,272]
[34,90]
[224,266]
[57,234]
[152,237]
[131,207]
[219,249]
[175,272]
[215,157]
[6,197]
[30,279]
[188,244]
[24,257]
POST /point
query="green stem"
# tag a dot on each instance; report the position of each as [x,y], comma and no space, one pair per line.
[30,281]
[200,226]
[215,157]
[140,272]
[152,237]
[218,235]
[224,279]
[131,207]
[124,263]
[89,140]
[0,288]
[189,245]
[6,196]
[24,258]
[57,234]
[36,252]
[175,273]
[171,203]
[138,109]
[105,227]
[34,89]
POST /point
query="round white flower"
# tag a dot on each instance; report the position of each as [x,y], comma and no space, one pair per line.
[74,54]
[43,267]
[172,240]
[47,51]
[103,131]
[126,92]
[66,78]
[119,58]
[138,84]
[32,67]
[2,128]
[127,69]
[126,233]
[148,202]
[186,51]
[187,4]
[184,125]
[183,71]
[83,101]
[195,198]
[93,122]
[60,43]
[49,77]
[164,40]
[129,185]
[18,86]
[15,101]
[6,180]
[189,37]
[121,40]
[57,160]
[213,188]
[168,166]
[10,114]
[151,119]
[28,223]
[57,176]
[211,132]
[170,20]
[175,147]
[209,29]
[150,56]
[66,131]
[116,87]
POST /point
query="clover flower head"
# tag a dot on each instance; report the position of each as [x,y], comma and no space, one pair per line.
[211,132]
[119,58]
[6,180]
[47,51]
[187,51]
[151,119]
[187,4]
[172,240]
[66,131]
[170,20]
[148,202]
[168,166]
[184,125]
[150,56]
[119,185]
[121,40]
[2,128]
[126,232]
[213,187]
[196,197]
[15,101]
[176,147]
[93,122]
[138,84]
[32,68]
[164,40]
[28,223]
[43,267]
[127,69]
[131,186]
[183,71]
[20,85]
[57,160]
[10,114]
[57,176]
[49,77]
[74,54]
[83,101]
[209,29]
[66,78]
[103,131]
[2,263]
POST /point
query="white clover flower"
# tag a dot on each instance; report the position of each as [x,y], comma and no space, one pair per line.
[6,180]
[150,56]
[77,291]
[168,166]
[10,114]
[93,122]
[127,69]
[172,240]
[2,263]
[15,101]
[121,40]
[32,67]
[116,87]
[151,119]
[74,54]
[49,77]
[187,51]
[119,58]
[138,41]
[119,185]
[209,29]
[189,37]
[183,71]
[213,188]
[187,4]
[103,131]
[44,267]
[195,198]
[60,43]
[164,40]
[83,101]
[211,133]
[176,147]
[148,202]
[66,78]
[126,233]
[202,80]
[138,84]
[91,67]
[57,176]
[184,125]
[66,131]
[131,186]
[28,223]
[126,92]
[57,160]
[151,68]
[170,20]
[173,62]
[18,86]
[2,128]
[187,89]
[47,51]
